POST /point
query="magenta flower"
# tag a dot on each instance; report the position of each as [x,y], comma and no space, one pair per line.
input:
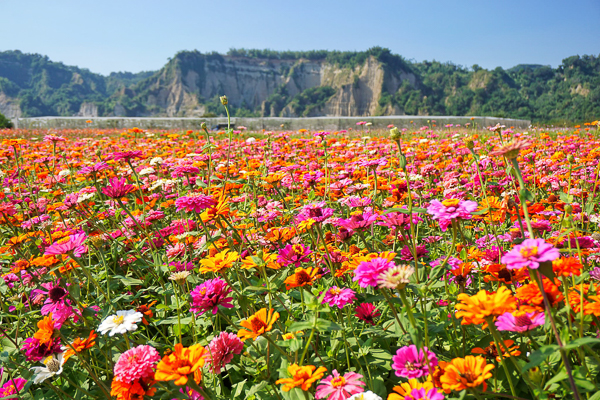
[210,295]
[339,297]
[358,222]
[35,351]
[367,312]
[424,394]
[222,349]
[412,363]
[126,155]
[194,202]
[406,253]
[531,253]
[11,386]
[56,297]
[336,387]
[117,188]
[94,168]
[317,212]
[446,211]
[72,244]
[293,254]
[367,272]
[136,363]
[395,220]
[521,323]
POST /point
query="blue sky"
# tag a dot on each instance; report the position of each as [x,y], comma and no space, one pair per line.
[122,35]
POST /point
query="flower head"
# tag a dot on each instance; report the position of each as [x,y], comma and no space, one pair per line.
[450,209]
[466,373]
[222,349]
[136,363]
[519,321]
[339,297]
[531,253]
[337,387]
[181,363]
[218,262]
[510,150]
[476,309]
[295,254]
[117,188]
[302,376]
[210,295]
[396,277]
[302,277]
[368,272]
[258,324]
[71,244]
[410,362]
[123,321]
[196,202]
[367,312]
[53,365]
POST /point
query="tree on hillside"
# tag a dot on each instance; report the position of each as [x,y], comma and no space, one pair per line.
[5,122]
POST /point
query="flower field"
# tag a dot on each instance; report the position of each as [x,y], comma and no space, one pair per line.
[401,264]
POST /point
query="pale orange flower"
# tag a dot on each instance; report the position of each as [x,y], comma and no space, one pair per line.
[181,363]
[302,377]
[258,324]
[476,309]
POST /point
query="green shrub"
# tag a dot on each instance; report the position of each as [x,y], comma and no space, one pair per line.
[5,122]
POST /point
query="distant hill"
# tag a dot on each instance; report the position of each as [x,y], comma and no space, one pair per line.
[312,83]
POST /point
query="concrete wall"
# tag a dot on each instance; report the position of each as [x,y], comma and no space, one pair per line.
[271,123]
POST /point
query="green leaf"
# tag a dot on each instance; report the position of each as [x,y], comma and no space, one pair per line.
[538,356]
[326,325]
[128,281]
[526,195]
[300,326]
[545,269]
[586,341]
[480,212]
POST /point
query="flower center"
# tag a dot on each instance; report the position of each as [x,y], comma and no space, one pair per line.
[298,249]
[52,364]
[302,277]
[337,382]
[257,325]
[450,202]
[335,291]
[522,320]
[529,251]
[118,320]
[56,294]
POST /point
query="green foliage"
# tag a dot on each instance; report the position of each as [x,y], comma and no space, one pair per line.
[303,104]
[5,122]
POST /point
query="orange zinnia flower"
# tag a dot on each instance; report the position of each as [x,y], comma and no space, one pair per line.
[406,388]
[302,277]
[135,390]
[258,324]
[475,309]
[567,266]
[45,329]
[533,299]
[218,262]
[182,362]
[464,373]
[301,376]
[492,352]
[80,344]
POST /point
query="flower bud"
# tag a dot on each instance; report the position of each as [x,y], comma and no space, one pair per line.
[470,144]
[223,100]
[402,161]
[568,209]
[203,125]
[395,133]
[570,158]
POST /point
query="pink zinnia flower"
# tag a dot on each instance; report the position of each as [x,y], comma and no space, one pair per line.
[424,394]
[56,297]
[11,386]
[127,155]
[446,211]
[222,349]
[367,312]
[54,138]
[210,295]
[339,297]
[336,387]
[406,253]
[358,222]
[73,244]
[412,363]
[194,202]
[136,363]
[521,323]
[367,272]
[35,351]
[94,168]
[317,212]
[293,254]
[531,253]
[117,188]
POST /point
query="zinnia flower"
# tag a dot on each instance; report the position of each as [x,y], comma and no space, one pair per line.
[336,387]
[302,277]
[367,312]
[396,277]
[423,394]
[73,243]
[410,362]
[302,376]
[339,297]
[132,391]
[182,362]
[466,373]
[218,262]
[446,211]
[136,363]
[293,254]
[222,349]
[210,295]
[368,395]
[53,365]
[531,253]
[367,272]
[519,321]
[258,324]
[196,202]
[117,188]
[124,321]
[405,389]
[476,309]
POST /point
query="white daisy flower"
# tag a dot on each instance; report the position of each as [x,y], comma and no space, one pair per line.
[124,321]
[53,365]
[365,396]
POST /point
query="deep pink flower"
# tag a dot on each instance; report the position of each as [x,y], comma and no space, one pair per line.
[358,222]
[117,188]
[531,253]
[446,211]
[317,212]
[54,138]
[367,312]
[293,254]
[35,351]
[367,272]
[222,349]
[11,386]
[336,387]
[521,323]
[210,295]
[339,297]
[412,363]
[424,394]
[194,202]
[127,155]
[99,166]
[74,244]
[406,253]
[136,363]
[56,297]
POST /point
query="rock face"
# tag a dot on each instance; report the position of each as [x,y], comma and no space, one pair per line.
[9,107]
[87,110]
[191,79]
